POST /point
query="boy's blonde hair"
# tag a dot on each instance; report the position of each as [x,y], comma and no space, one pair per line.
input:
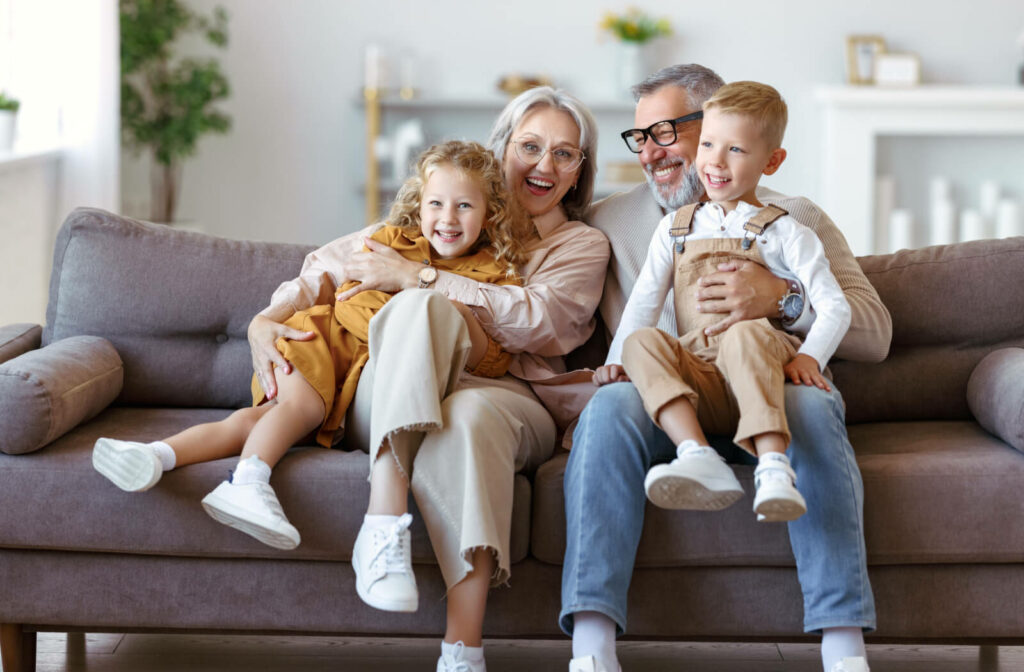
[760,102]
[506,224]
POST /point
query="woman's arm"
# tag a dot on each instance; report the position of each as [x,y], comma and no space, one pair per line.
[553,313]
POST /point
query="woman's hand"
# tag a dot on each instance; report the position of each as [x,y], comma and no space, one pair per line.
[804,370]
[263,334]
[379,268]
[740,290]
[610,373]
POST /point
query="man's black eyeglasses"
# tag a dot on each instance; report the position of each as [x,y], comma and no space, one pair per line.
[662,132]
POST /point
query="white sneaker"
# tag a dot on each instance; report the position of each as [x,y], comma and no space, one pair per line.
[588,664]
[456,662]
[382,560]
[697,479]
[858,664]
[252,508]
[777,498]
[130,465]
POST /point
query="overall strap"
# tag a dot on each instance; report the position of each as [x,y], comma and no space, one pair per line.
[756,225]
[681,224]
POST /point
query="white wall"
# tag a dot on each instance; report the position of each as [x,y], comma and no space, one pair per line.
[290,167]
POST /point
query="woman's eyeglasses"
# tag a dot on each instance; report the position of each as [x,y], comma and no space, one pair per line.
[530,152]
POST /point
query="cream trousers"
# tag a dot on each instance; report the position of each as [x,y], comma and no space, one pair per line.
[461,437]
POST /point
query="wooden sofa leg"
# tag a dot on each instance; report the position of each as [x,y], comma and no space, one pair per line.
[17,648]
[988,658]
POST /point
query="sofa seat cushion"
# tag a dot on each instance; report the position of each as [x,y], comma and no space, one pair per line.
[934,492]
[55,500]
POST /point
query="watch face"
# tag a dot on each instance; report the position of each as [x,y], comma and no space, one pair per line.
[428,274]
[792,306]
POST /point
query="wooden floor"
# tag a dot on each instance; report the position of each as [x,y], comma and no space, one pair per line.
[58,652]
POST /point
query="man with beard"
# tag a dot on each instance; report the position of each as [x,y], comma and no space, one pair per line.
[616,442]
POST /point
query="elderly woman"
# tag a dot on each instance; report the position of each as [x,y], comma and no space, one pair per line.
[461,438]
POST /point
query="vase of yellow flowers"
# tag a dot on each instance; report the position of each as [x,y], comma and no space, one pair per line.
[633,30]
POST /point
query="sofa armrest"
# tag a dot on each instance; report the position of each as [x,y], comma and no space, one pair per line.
[44,393]
[17,339]
[995,395]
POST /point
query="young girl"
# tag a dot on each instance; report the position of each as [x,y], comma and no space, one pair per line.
[453,214]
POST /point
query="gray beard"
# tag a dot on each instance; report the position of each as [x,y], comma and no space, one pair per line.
[690,190]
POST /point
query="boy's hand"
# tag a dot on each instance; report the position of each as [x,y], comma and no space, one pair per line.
[804,370]
[610,373]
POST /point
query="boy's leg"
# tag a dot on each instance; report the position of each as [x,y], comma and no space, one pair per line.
[828,542]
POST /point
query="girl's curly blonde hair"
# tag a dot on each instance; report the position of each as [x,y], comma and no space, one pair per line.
[506,224]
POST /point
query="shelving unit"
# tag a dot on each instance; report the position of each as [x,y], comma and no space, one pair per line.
[856,119]
[471,118]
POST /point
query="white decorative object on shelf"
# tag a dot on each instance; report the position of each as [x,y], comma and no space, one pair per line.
[400,147]
[972,226]
[885,203]
[943,222]
[1009,222]
[989,199]
[855,117]
[901,230]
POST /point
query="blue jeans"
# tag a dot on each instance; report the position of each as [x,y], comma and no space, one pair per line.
[616,442]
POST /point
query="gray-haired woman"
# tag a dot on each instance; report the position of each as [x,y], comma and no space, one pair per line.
[460,438]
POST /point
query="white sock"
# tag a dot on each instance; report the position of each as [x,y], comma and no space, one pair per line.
[593,634]
[470,654]
[379,520]
[774,457]
[165,453]
[839,643]
[251,470]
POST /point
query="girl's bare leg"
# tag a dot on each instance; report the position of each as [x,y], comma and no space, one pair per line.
[216,440]
[298,411]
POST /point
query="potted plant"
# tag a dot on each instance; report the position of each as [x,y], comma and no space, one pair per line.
[167,102]
[633,29]
[8,114]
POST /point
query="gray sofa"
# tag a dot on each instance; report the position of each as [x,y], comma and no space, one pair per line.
[145,335]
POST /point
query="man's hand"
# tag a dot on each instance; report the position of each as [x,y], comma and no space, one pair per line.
[740,290]
[379,268]
[610,373]
[263,334]
[804,370]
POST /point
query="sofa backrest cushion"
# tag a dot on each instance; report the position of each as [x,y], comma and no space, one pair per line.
[175,304]
[951,305]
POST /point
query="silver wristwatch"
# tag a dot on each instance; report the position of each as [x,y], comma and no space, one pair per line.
[791,305]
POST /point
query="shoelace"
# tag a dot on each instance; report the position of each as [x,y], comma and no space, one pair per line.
[389,546]
[455,663]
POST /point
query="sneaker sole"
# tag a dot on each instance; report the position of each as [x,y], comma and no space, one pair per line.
[229,515]
[672,491]
[130,469]
[779,509]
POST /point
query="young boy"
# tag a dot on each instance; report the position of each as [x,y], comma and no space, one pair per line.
[731,382]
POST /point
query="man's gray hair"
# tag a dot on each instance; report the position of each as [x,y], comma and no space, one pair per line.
[576,201]
[699,82]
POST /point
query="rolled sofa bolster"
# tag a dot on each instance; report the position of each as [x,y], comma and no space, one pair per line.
[995,395]
[45,393]
[17,339]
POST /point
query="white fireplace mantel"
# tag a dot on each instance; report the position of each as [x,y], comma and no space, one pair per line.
[856,117]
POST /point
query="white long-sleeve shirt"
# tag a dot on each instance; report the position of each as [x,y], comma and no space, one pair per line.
[789,249]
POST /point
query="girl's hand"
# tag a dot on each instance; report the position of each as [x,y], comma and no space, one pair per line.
[610,373]
[263,334]
[804,370]
[379,268]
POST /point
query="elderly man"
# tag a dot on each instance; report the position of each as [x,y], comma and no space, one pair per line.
[616,442]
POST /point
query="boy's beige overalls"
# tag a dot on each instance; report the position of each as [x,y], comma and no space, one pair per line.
[733,379]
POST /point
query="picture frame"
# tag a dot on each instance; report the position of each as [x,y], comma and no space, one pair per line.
[861,53]
[892,69]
